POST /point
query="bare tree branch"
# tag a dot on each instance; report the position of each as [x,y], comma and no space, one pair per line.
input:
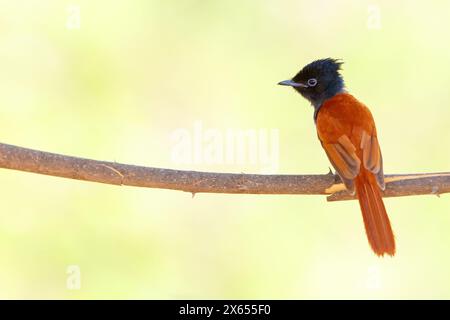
[23,159]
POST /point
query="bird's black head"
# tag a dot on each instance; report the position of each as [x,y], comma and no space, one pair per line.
[318,81]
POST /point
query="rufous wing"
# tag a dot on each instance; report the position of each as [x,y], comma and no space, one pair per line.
[372,159]
[344,159]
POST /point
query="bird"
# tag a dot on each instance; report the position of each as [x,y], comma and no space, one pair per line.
[346,129]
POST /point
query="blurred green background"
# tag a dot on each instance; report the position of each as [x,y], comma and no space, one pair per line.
[116,87]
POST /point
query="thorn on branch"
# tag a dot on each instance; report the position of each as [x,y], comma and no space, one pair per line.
[435,191]
[117,172]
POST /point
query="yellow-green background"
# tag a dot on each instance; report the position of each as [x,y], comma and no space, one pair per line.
[135,71]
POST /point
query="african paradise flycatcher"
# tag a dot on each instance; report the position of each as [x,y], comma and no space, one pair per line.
[347,132]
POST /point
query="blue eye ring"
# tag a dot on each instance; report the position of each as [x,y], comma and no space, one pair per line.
[312,82]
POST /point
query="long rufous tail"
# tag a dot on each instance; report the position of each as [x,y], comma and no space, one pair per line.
[376,220]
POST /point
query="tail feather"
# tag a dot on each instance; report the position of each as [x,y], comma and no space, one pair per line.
[376,220]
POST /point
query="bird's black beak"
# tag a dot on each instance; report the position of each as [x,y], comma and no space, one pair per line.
[292,84]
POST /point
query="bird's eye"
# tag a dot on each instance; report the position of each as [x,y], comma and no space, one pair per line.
[312,82]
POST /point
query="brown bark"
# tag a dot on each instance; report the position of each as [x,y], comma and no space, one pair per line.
[23,159]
